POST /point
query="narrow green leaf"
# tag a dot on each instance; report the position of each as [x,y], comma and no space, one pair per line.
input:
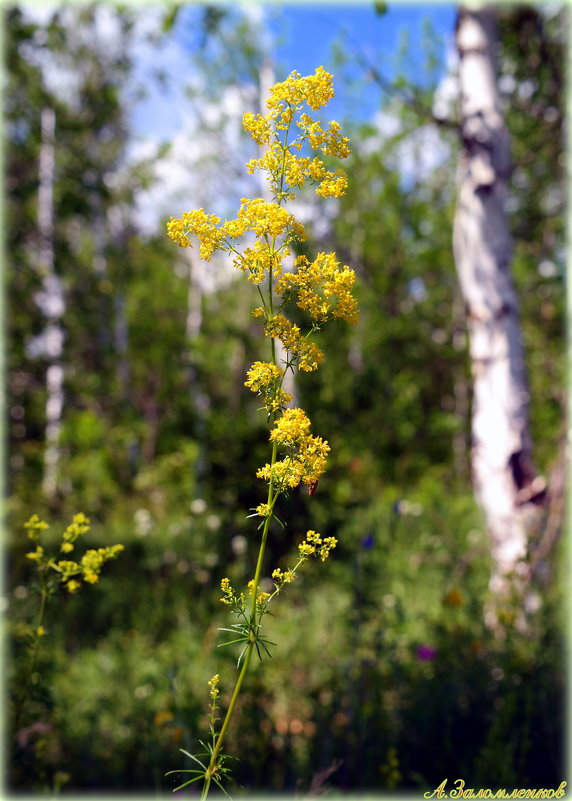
[231,642]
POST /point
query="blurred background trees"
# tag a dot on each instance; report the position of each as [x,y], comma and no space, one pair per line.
[397,683]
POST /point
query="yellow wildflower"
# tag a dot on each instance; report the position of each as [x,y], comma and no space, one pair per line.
[261,597]
[37,555]
[258,261]
[307,354]
[35,526]
[336,144]
[266,378]
[68,568]
[93,560]
[333,185]
[228,592]
[281,578]
[292,428]
[78,526]
[203,225]
[314,545]
[307,460]
[315,90]
[262,375]
[306,549]
[264,217]
[259,128]
[213,684]
[322,288]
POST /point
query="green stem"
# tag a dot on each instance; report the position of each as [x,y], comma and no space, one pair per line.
[271,501]
[212,764]
[206,786]
[36,647]
[272,497]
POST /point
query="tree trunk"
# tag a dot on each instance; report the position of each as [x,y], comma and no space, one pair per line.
[505,483]
[52,303]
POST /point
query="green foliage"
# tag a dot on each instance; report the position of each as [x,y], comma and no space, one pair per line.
[387,642]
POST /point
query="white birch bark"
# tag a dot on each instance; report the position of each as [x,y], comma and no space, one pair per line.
[503,474]
[52,303]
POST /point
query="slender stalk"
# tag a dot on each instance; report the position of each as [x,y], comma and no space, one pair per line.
[258,570]
[36,647]
[213,760]
[272,497]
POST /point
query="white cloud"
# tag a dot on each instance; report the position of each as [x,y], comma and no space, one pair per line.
[415,155]
[62,77]
[204,166]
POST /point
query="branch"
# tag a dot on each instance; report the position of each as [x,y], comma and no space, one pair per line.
[410,99]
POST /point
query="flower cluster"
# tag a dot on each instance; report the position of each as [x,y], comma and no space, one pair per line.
[231,598]
[261,597]
[203,225]
[262,217]
[88,567]
[305,458]
[307,355]
[315,545]
[228,596]
[286,169]
[35,526]
[213,684]
[315,90]
[281,578]
[265,378]
[78,526]
[322,288]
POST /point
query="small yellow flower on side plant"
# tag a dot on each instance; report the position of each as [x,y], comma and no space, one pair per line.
[90,564]
[227,592]
[93,560]
[78,526]
[37,555]
[35,526]
[213,684]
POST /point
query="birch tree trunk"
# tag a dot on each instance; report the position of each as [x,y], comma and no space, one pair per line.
[503,474]
[51,302]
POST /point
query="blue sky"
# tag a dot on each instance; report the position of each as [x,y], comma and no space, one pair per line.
[305,33]
[309,29]
[297,36]
[300,36]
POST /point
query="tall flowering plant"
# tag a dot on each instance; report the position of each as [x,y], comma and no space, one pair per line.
[322,289]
